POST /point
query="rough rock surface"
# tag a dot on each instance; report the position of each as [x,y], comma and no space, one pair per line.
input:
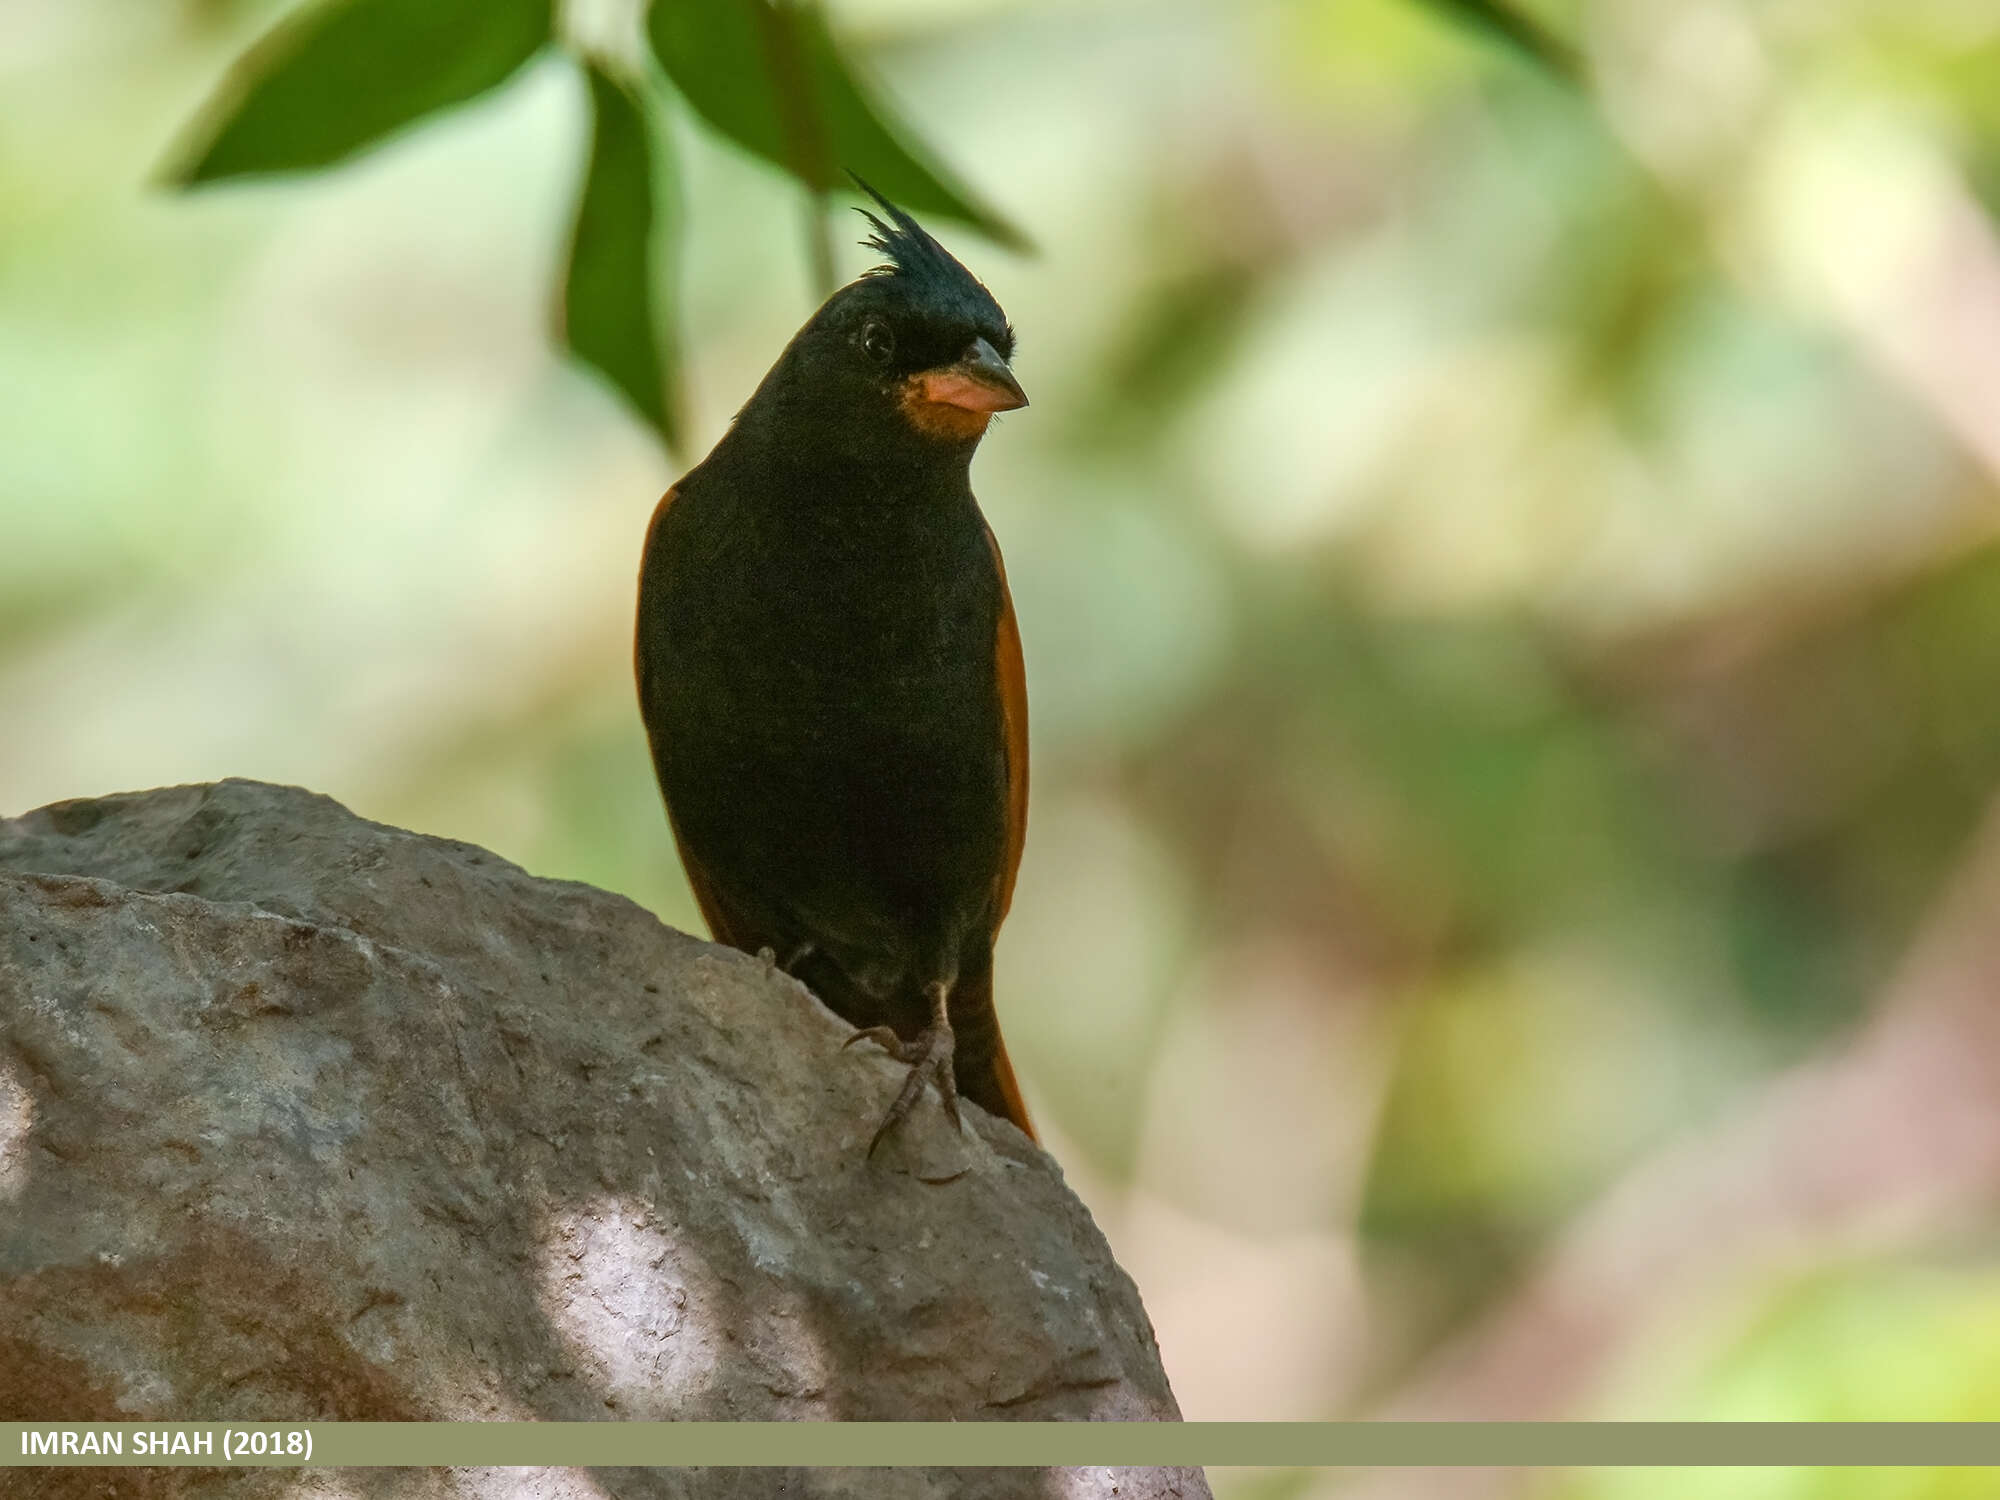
[303,1117]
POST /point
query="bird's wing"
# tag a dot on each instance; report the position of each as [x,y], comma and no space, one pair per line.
[741,916]
[1014,726]
[1013,678]
[728,926]
[639,630]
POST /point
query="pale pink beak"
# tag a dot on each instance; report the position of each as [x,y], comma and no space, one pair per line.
[979,382]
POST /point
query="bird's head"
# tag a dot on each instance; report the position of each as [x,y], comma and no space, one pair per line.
[916,346]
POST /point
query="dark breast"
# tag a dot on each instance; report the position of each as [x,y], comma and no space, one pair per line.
[818,677]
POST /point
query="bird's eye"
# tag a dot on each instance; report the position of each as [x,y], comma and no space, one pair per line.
[878,343]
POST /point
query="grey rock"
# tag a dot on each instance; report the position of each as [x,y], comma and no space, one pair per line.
[307,1118]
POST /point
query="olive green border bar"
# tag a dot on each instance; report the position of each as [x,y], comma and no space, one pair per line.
[1049,1444]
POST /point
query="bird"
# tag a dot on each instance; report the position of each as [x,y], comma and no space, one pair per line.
[830,671]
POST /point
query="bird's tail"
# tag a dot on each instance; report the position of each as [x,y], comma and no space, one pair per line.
[985,1076]
[1010,1091]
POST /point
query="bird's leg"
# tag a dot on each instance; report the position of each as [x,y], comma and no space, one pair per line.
[928,1057]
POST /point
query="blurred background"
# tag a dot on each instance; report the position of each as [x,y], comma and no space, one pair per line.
[1508,564]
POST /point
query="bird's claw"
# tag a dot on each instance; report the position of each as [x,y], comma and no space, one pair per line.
[929,1057]
[884,1037]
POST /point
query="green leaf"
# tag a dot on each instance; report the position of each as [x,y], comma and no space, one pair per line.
[1517,29]
[610,317]
[341,75]
[771,78]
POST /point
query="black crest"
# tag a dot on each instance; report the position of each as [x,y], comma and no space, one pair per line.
[931,271]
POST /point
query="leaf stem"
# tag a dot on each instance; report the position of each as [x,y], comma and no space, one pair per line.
[819,243]
[803,126]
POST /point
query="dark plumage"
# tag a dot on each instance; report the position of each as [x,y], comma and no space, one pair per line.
[830,674]
[934,280]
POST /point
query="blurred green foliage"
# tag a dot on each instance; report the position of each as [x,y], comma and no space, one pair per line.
[610,304]
[336,77]
[771,78]
[1867,1343]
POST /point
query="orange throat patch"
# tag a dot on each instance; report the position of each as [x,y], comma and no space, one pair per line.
[946,421]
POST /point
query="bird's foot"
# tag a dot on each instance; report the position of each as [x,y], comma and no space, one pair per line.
[929,1058]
